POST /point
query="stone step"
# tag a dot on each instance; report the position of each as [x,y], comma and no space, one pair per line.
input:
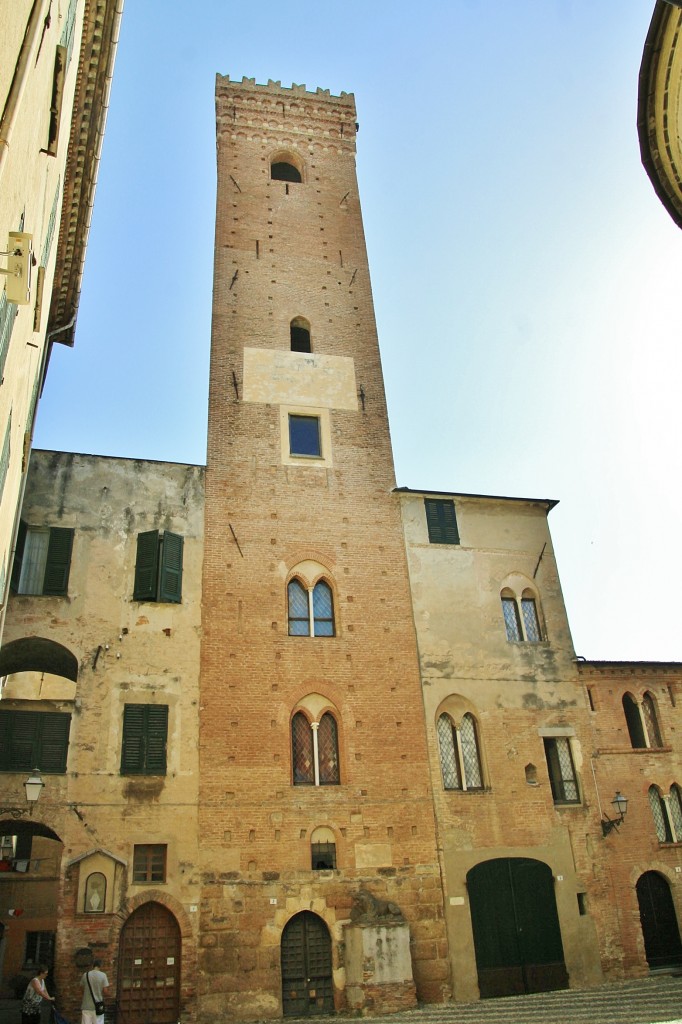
[653,1000]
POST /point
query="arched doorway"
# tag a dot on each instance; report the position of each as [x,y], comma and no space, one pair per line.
[307,987]
[516,927]
[659,921]
[30,866]
[149,967]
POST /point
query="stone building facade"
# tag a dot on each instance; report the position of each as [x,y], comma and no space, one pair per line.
[56,66]
[328,747]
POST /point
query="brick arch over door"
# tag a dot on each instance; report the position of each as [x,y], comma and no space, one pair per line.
[149,967]
[660,929]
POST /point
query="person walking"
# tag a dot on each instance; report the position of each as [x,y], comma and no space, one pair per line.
[94,984]
[33,997]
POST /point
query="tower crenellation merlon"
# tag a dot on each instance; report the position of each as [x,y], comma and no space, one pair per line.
[274,107]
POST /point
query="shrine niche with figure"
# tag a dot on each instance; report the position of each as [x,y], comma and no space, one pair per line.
[100,877]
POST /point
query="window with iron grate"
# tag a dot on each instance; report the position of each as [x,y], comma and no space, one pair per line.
[562,774]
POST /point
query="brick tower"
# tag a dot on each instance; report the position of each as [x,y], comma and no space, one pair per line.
[316,819]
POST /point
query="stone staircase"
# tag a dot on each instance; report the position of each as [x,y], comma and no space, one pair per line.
[649,1000]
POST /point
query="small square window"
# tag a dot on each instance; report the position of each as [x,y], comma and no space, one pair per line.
[149,863]
[323,856]
[304,436]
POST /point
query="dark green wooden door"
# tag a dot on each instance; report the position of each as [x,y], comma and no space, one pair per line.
[306,967]
[516,927]
[659,921]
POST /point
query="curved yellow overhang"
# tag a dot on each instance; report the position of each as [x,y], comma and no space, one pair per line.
[659,113]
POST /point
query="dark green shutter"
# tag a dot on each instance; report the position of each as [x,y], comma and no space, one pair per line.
[132,750]
[145,728]
[441,521]
[157,731]
[58,561]
[54,743]
[18,556]
[170,580]
[34,739]
[146,566]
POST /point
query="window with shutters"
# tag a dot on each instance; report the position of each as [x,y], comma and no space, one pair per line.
[315,750]
[310,609]
[145,732]
[562,775]
[441,521]
[42,560]
[34,739]
[460,758]
[4,456]
[149,863]
[521,618]
[60,61]
[158,567]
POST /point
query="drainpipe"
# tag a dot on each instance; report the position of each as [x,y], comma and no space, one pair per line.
[19,80]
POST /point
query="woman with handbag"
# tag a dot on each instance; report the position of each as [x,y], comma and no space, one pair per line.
[94,982]
[33,997]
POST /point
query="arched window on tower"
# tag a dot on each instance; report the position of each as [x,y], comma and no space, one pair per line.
[299,330]
[661,812]
[633,721]
[521,618]
[311,610]
[460,759]
[651,720]
[283,170]
[315,750]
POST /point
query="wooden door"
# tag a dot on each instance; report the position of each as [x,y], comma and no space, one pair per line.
[517,938]
[307,987]
[659,921]
[148,987]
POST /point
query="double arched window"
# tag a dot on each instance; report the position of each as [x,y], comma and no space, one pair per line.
[667,813]
[315,750]
[460,759]
[521,618]
[310,609]
[642,721]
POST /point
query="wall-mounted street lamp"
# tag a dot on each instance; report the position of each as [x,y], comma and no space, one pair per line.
[33,786]
[620,805]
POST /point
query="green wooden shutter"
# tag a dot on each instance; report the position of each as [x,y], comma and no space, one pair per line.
[145,728]
[132,749]
[54,742]
[157,732]
[58,561]
[23,741]
[146,566]
[170,580]
[18,557]
[441,521]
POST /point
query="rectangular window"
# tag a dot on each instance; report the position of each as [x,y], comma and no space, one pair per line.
[561,770]
[441,521]
[42,560]
[8,313]
[304,436]
[39,949]
[145,731]
[323,856]
[149,863]
[34,739]
[158,567]
[4,457]
[60,59]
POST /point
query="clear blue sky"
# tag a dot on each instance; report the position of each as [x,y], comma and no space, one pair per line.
[526,278]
